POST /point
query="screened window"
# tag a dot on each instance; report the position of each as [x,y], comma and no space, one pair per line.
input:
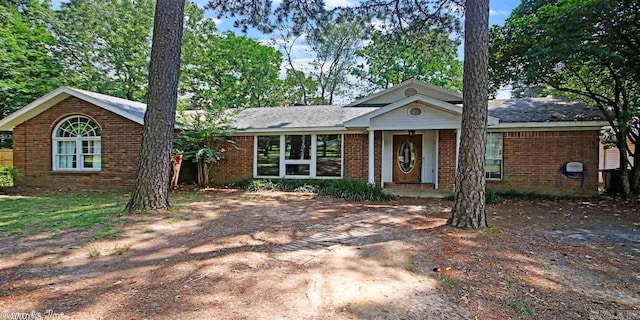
[77,145]
[329,155]
[268,156]
[494,156]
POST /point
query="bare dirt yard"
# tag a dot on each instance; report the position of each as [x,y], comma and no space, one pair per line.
[225,254]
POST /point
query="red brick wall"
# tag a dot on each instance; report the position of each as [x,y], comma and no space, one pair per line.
[356,156]
[446,159]
[532,160]
[237,164]
[121,139]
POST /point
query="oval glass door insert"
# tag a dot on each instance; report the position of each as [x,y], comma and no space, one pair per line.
[406,156]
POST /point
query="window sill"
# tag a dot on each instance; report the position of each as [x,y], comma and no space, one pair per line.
[74,171]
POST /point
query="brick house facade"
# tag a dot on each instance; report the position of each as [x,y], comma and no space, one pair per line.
[121,141]
[527,151]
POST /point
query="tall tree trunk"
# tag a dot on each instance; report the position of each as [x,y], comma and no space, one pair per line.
[151,191]
[469,202]
[621,143]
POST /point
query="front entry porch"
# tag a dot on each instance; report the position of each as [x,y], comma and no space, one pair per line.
[414,192]
[413,160]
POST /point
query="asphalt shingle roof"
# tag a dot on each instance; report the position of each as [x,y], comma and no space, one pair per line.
[298,116]
[542,110]
[510,110]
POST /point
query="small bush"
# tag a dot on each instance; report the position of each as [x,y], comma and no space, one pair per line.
[345,189]
[354,191]
[8,176]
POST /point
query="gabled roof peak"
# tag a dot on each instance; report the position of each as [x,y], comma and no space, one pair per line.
[128,109]
[393,94]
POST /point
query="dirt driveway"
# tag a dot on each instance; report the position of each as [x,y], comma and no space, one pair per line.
[240,255]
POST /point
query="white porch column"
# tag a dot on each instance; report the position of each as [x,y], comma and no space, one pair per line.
[457,146]
[372,162]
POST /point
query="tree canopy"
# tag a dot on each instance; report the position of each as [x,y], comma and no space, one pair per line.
[28,66]
[391,58]
[587,50]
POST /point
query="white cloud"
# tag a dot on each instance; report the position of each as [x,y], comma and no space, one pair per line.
[331,4]
[498,12]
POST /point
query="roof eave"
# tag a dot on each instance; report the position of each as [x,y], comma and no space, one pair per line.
[52,98]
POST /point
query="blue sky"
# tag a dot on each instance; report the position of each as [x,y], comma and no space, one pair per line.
[302,56]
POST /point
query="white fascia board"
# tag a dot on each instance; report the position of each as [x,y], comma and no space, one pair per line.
[411,81]
[50,99]
[364,120]
[557,125]
[33,109]
[305,130]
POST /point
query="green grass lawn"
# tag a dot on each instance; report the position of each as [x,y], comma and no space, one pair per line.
[29,215]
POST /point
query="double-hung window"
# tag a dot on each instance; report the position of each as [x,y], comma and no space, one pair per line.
[77,145]
[493,156]
[298,156]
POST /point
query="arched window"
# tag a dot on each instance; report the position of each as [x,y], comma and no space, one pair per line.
[76,145]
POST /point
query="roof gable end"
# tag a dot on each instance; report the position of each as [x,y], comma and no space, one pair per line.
[364,120]
[131,110]
[396,93]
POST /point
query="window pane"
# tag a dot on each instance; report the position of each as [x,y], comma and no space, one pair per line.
[66,162]
[494,146]
[66,147]
[87,147]
[269,156]
[298,169]
[494,156]
[494,169]
[88,161]
[329,155]
[298,147]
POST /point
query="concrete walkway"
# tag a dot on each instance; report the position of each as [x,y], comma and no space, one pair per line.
[415,193]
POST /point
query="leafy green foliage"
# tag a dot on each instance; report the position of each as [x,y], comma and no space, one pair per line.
[335,47]
[29,68]
[106,45]
[581,49]
[345,189]
[297,88]
[8,176]
[227,71]
[203,138]
[393,57]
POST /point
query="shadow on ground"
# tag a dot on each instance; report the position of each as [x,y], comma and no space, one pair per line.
[237,255]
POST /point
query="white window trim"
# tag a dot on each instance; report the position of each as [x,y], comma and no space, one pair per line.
[501,158]
[78,154]
[283,161]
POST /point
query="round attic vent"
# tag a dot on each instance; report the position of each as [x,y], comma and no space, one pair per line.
[410,92]
[415,111]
